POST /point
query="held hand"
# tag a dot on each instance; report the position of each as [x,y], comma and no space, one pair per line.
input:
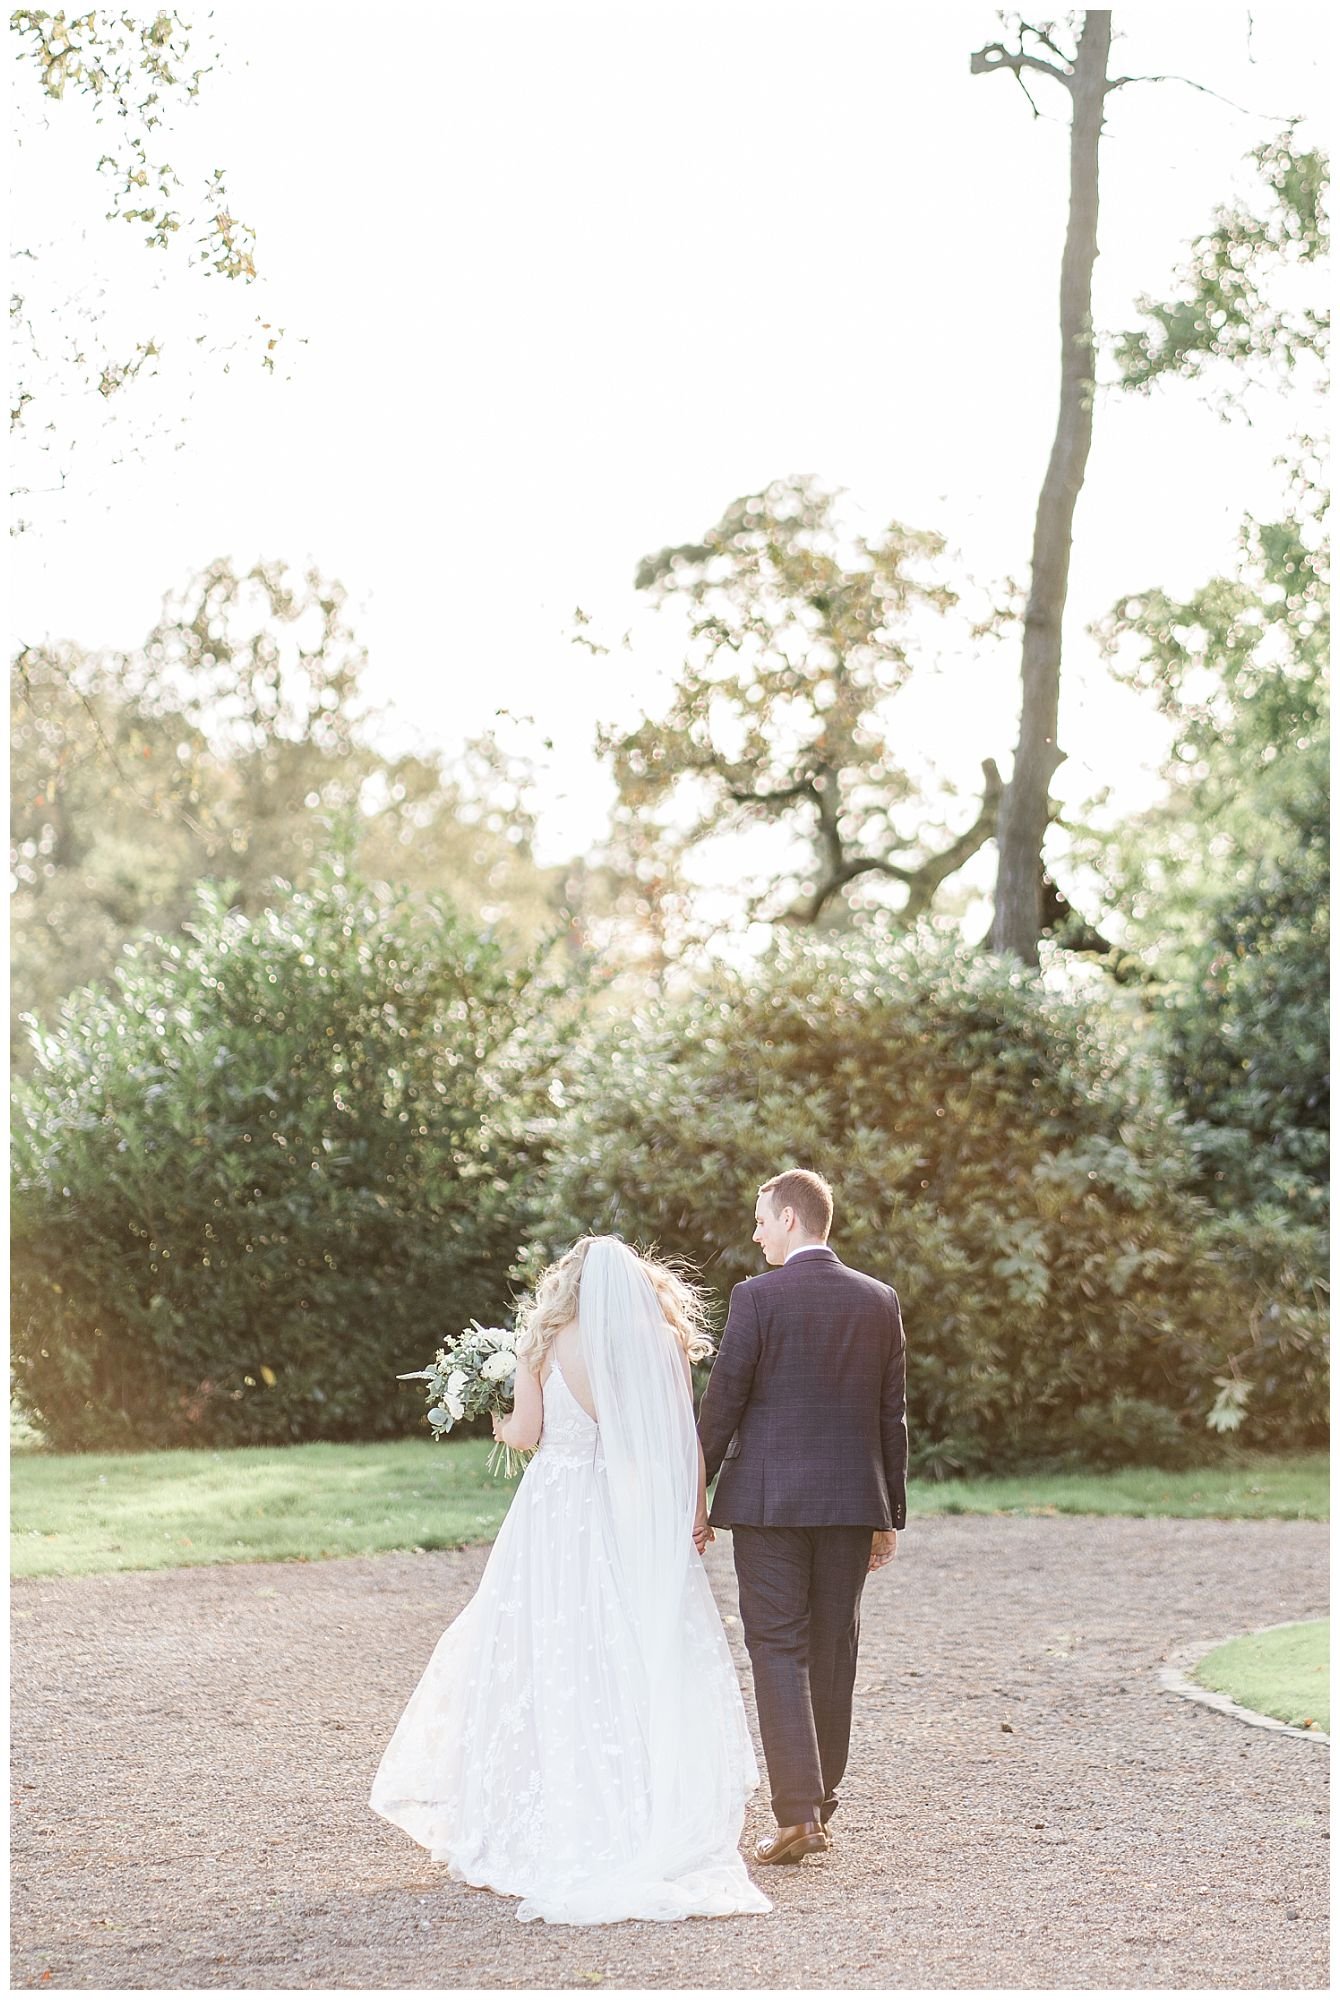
[703,1533]
[883,1547]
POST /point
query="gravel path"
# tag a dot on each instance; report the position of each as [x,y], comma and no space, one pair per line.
[1025,1806]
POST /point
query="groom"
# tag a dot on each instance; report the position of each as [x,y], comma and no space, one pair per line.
[805,1417]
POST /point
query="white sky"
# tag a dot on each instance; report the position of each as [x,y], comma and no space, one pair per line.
[568,279]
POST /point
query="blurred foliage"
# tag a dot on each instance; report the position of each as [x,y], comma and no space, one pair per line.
[799,634]
[1239,298]
[1280,1262]
[228,743]
[132,73]
[271,1166]
[1248,1038]
[1239,668]
[996,1155]
[1226,882]
[135,71]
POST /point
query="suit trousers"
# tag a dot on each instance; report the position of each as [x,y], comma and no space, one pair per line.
[800,1604]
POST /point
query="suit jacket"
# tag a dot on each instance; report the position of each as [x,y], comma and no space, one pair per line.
[805,1413]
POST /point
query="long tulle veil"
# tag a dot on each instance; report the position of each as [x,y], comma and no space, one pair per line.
[578,1738]
[644,1406]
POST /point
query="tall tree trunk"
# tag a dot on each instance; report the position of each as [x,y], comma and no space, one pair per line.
[1018,916]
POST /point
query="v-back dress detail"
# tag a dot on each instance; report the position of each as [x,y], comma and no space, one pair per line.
[521,1760]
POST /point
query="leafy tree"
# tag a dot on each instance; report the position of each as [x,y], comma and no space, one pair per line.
[1226,307]
[229,742]
[270,1166]
[133,69]
[1235,300]
[997,1155]
[1227,880]
[799,636]
[134,72]
[1248,1035]
[1239,669]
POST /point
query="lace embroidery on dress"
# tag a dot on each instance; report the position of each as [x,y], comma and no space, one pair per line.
[521,1758]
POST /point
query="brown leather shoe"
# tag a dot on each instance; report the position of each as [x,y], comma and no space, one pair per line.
[789,1843]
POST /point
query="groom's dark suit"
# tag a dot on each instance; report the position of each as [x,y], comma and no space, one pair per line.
[805,1415]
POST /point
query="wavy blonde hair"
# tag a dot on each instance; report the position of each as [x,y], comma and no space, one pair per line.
[555,1301]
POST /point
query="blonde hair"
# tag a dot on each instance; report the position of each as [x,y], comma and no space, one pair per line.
[555,1301]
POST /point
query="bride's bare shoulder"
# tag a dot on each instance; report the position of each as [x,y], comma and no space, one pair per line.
[566,1341]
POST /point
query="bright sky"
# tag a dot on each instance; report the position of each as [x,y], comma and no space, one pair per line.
[560,281]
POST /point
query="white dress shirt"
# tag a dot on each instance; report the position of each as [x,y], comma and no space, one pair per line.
[800,1250]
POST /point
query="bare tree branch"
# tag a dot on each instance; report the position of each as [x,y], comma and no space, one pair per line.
[1117,82]
[809,911]
[922,881]
[827,798]
[738,795]
[1046,40]
[1032,101]
[941,866]
[996,56]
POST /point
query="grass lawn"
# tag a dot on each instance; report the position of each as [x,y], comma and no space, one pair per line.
[1285,1673]
[77,1514]
[85,1513]
[1252,1487]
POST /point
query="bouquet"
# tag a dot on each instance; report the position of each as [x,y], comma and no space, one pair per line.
[472,1376]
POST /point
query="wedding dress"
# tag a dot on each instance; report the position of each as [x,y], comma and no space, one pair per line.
[578,1738]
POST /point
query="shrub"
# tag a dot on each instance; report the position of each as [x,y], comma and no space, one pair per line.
[1247,1031]
[267,1171]
[1128,1430]
[1275,1383]
[996,1156]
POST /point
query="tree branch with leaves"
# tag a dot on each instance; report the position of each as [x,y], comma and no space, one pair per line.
[132,74]
[1232,301]
[800,637]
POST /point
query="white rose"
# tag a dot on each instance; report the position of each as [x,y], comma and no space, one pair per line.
[456,1382]
[498,1366]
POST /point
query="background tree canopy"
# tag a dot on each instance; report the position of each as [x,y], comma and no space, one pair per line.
[229,743]
[317,1058]
[798,636]
[78,357]
[1225,884]
[271,1167]
[995,1149]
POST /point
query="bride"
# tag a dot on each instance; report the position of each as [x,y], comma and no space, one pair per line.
[578,1738]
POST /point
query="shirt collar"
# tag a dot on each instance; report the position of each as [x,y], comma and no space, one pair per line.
[801,1248]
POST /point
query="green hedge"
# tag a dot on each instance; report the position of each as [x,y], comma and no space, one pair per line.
[283,1156]
[995,1156]
[270,1169]
[1248,1034]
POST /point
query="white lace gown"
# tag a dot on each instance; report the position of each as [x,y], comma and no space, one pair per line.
[521,1759]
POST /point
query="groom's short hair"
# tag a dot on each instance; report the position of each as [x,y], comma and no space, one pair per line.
[809,1194]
